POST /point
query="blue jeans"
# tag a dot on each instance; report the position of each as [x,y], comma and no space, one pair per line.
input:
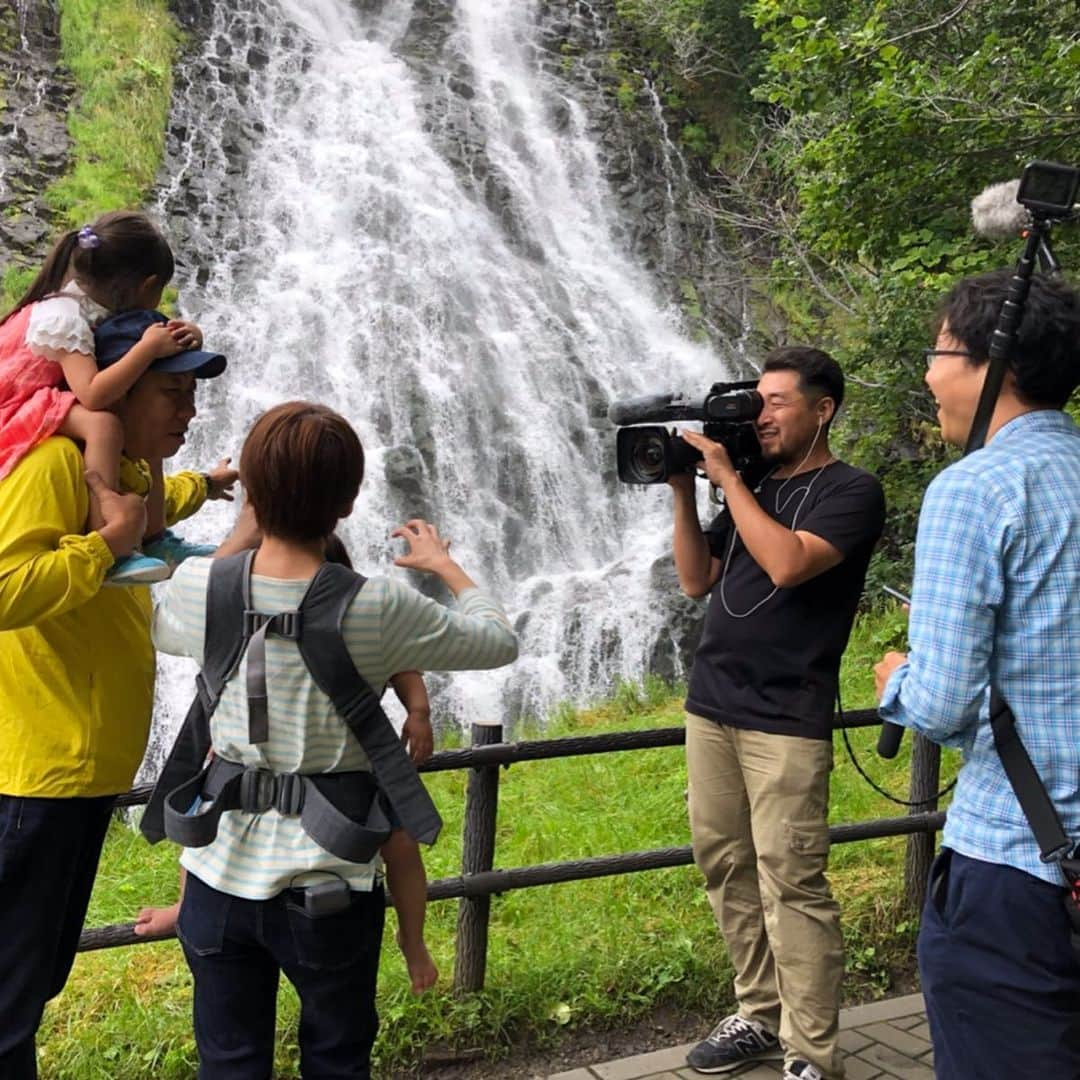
[1001,982]
[49,851]
[236,949]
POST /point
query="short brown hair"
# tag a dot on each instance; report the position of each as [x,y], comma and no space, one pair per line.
[301,467]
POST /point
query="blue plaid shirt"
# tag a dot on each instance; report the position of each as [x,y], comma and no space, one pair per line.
[997,597]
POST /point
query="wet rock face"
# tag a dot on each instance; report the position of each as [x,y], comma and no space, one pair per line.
[649,179]
[405,475]
[680,633]
[35,93]
[655,185]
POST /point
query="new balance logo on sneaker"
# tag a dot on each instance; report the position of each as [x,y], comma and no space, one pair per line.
[734,1042]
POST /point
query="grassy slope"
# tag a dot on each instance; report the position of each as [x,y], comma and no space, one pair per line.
[120,53]
[597,951]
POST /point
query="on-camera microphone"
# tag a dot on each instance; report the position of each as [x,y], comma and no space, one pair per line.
[996,214]
[639,410]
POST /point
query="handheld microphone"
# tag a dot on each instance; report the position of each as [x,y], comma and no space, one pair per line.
[888,744]
[996,214]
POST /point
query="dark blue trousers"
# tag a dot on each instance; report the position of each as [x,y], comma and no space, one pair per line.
[49,851]
[236,949]
[1001,981]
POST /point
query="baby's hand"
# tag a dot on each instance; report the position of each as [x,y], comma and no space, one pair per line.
[157,922]
[417,736]
[186,334]
[220,480]
[159,339]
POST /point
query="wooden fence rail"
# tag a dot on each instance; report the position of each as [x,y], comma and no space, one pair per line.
[479,880]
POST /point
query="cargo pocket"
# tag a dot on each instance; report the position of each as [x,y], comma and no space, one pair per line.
[201,923]
[807,837]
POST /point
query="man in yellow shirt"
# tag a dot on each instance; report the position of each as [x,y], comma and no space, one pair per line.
[76,685]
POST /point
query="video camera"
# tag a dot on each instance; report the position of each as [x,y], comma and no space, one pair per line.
[649,455]
[1048,189]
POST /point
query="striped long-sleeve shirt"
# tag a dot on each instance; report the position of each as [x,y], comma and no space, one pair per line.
[388,628]
[997,597]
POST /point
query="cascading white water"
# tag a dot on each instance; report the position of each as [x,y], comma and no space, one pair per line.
[471,310]
[29,88]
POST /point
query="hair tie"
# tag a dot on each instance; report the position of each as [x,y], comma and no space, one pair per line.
[88,238]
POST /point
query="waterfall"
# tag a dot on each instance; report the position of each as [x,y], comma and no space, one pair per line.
[406,211]
[33,135]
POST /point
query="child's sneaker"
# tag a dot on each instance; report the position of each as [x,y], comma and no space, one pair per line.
[174,549]
[136,569]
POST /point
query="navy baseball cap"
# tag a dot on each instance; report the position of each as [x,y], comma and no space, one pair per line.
[114,337]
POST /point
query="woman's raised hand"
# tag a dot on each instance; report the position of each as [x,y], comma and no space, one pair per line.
[428,551]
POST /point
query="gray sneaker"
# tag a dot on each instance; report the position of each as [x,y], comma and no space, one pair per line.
[731,1044]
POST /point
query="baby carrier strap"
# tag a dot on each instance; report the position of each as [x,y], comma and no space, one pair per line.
[224,641]
[323,649]
[341,812]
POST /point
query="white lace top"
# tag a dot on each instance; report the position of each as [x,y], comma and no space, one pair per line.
[63,323]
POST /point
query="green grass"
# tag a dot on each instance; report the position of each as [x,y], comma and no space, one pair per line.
[13,285]
[599,952]
[120,54]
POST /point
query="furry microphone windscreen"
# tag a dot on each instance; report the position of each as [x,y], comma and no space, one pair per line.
[996,213]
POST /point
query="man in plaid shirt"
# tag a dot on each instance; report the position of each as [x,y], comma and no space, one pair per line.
[996,597]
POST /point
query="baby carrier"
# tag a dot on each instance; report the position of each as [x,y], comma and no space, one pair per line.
[343,812]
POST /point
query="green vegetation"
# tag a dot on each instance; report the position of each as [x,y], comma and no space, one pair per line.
[862,129]
[594,952]
[14,283]
[120,53]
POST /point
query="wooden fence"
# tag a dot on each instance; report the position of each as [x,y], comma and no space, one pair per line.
[479,880]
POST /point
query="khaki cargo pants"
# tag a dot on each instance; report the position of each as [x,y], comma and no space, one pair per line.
[758,818]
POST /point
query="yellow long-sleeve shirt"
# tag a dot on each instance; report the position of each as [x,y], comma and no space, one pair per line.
[76,660]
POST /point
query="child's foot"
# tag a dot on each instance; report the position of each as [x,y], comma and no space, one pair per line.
[423,974]
[174,549]
[136,569]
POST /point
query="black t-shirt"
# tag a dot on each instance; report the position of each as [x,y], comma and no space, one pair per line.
[776,669]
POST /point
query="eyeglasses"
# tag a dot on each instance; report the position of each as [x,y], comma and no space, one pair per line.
[929,354]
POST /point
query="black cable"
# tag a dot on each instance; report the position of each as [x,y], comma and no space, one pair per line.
[862,772]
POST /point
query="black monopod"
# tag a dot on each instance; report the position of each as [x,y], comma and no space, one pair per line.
[1044,195]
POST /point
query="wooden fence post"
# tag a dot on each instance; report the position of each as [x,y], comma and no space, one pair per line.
[925,778]
[477,855]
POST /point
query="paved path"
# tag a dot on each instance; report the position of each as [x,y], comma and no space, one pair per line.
[887,1040]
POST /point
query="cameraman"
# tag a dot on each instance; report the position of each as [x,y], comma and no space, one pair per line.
[785,563]
[996,598]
